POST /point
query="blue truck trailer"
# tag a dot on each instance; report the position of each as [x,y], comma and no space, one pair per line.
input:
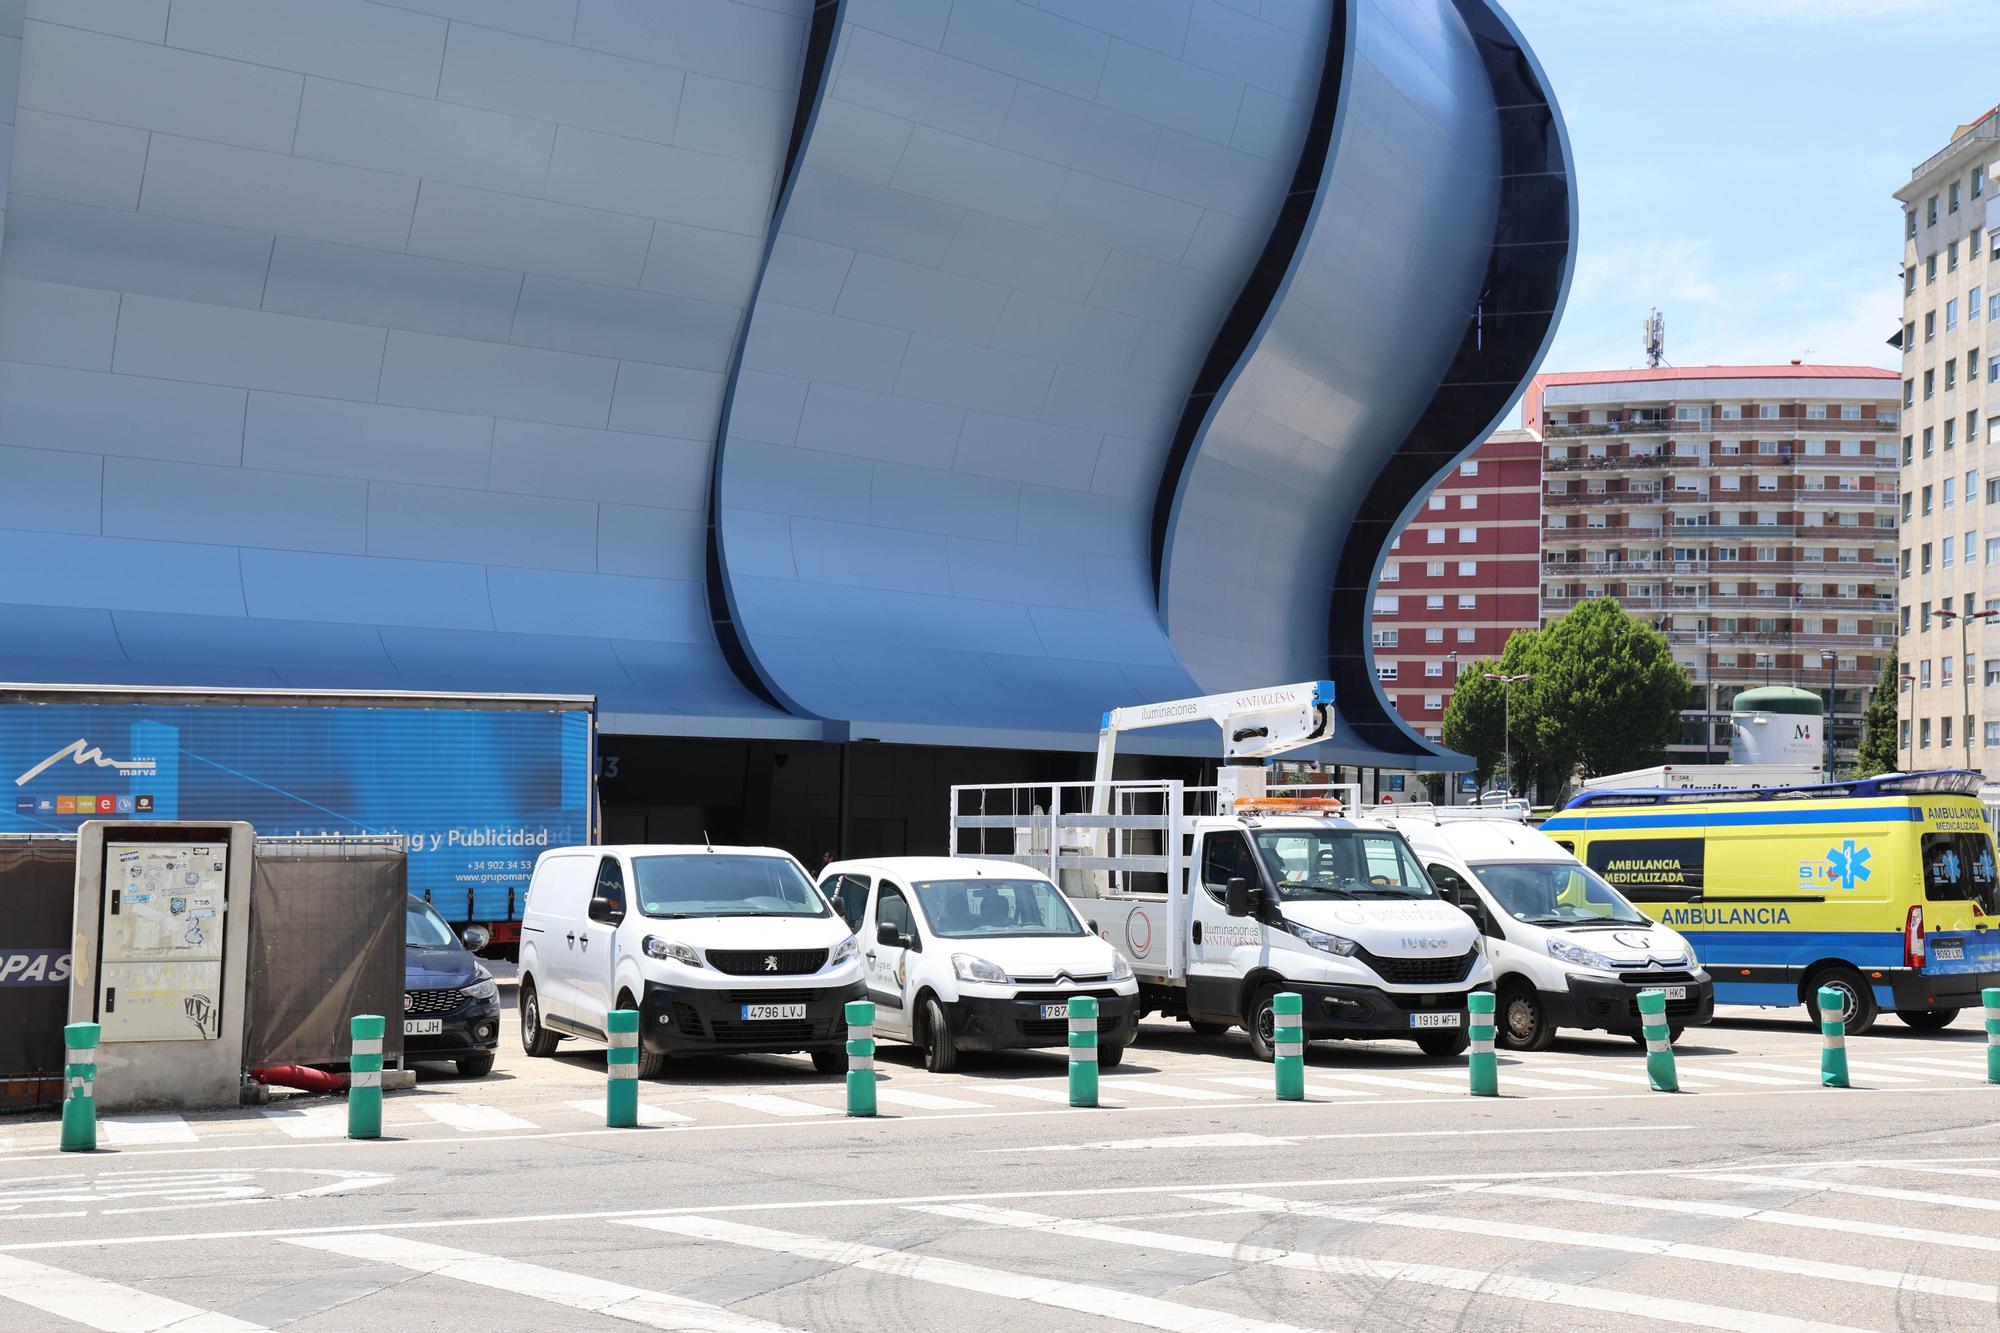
[476,785]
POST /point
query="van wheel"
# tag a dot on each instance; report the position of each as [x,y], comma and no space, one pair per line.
[1443,1042]
[1856,997]
[1524,1023]
[1110,1057]
[1260,1022]
[1202,1028]
[940,1056]
[652,1064]
[535,1039]
[1928,1020]
[830,1062]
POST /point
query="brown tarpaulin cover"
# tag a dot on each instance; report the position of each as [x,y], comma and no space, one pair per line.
[326,943]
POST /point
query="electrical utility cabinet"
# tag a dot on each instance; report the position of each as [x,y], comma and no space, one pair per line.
[161,956]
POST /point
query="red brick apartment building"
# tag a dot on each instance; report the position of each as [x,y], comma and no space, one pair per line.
[1462,576]
[1748,511]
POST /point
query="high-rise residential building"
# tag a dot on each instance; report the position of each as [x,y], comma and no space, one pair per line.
[1947,554]
[1748,511]
[1461,577]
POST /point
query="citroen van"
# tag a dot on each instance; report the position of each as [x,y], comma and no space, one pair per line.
[1568,950]
[974,955]
[720,949]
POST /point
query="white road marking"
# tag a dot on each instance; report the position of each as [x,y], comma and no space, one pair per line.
[472,1118]
[1103,1302]
[1808,1072]
[765,1104]
[1622,1075]
[1737,1076]
[1174,1141]
[1029,1091]
[1504,1286]
[924,1101]
[309,1122]
[649,1112]
[98,1304]
[1984,1293]
[1228,1140]
[654,1309]
[1385,1081]
[1921,1064]
[1508,1075]
[1152,1087]
[1741,1212]
[122,1131]
[1865,1191]
[1314,1087]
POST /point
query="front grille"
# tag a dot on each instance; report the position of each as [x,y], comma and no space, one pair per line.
[767,962]
[772,996]
[417,1002]
[1055,1030]
[687,1019]
[1420,971]
[768,1033]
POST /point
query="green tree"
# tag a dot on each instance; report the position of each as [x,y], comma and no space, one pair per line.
[1476,718]
[1607,694]
[1878,726]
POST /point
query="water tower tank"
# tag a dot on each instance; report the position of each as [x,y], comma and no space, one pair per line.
[1777,724]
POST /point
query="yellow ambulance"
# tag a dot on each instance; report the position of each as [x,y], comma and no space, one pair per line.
[1881,888]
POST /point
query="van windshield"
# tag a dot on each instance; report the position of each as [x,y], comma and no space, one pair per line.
[963,909]
[718,884]
[1556,893]
[1341,863]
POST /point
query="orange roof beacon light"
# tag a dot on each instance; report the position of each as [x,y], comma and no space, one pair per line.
[1296,805]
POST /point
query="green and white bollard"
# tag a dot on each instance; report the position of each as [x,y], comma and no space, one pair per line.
[79,1121]
[1832,1025]
[621,1069]
[1992,998]
[1083,1051]
[1288,1045]
[861,1057]
[1484,1065]
[1659,1037]
[364,1077]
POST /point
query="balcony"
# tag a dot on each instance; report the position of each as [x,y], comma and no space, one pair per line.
[1742,428]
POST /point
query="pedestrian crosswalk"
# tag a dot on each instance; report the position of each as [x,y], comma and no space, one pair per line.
[1803,1247]
[459,1111]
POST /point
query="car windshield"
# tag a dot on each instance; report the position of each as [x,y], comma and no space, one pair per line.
[1341,863]
[719,884]
[423,928]
[1556,893]
[983,908]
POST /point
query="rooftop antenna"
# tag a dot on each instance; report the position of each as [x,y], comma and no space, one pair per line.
[1656,338]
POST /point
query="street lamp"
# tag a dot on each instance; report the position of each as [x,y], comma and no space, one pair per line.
[1507,718]
[1965,676]
[1832,660]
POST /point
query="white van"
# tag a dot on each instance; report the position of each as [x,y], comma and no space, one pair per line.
[720,949]
[1568,950]
[968,955]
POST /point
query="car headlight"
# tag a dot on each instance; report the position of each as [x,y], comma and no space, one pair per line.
[846,951]
[1319,939]
[482,989]
[968,968]
[656,947]
[1582,957]
[1120,969]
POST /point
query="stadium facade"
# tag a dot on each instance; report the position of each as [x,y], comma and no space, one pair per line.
[935,373]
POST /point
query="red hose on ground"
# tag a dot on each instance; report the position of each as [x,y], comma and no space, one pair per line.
[302,1077]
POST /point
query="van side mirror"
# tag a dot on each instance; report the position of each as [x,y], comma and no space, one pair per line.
[889,935]
[1236,897]
[606,910]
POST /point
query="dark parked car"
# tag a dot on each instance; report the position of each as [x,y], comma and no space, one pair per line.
[451,1008]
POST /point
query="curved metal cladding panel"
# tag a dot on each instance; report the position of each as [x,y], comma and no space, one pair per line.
[1010,239]
[1419,300]
[347,344]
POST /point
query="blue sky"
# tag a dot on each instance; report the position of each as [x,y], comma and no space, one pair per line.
[1735,160]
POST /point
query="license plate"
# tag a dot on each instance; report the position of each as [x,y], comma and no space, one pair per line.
[1434,1020]
[1675,992]
[1948,953]
[422,1027]
[1055,1011]
[757,1012]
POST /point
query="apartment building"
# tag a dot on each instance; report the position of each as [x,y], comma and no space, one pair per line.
[1949,713]
[1461,577]
[1748,511]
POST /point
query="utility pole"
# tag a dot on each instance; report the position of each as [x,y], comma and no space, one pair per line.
[1507,719]
[1965,675]
[1832,660]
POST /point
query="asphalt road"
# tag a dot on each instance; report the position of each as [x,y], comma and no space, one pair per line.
[980,1200]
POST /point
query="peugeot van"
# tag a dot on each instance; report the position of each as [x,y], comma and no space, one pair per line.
[720,949]
[1568,950]
[969,955]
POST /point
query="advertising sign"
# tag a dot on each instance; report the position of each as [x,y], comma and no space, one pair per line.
[474,793]
[1650,870]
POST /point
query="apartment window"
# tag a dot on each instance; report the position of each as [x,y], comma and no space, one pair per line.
[1434,569]
[1909,280]
[1927,500]
[1924,560]
[1909,393]
[1384,638]
[1907,497]
[1992,736]
[1924,618]
[1910,223]
[1767,411]
[1951,258]
[1972,427]
[1435,536]
[1993,301]
[1971,485]
[1468,502]
[1468,569]
[1438,502]
[1906,620]
[1468,535]
[1924,734]
[1388,606]
[1924,674]
[1978,181]
[1951,314]
[1470,469]
[1434,602]
[1433,702]
[1930,326]
[1972,245]
[1950,433]
[1944,553]
[1952,206]
[1903,733]
[1766,482]
[1907,451]
[1930,211]
[1930,270]
[1971,373]
[1944,732]
[1729,481]
[1816,411]
[1972,304]
[1950,491]
[1434,634]
[1390,573]
[1930,385]
[1387,671]
[1466,634]
[1970,549]
[1468,601]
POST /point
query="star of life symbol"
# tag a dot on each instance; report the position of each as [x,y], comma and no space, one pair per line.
[1848,864]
